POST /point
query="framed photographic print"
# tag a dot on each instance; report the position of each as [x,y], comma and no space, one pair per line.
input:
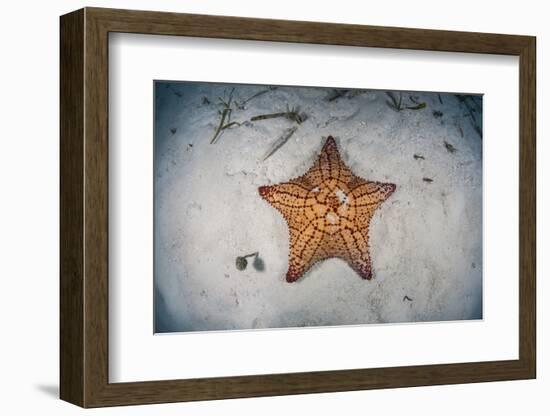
[256,207]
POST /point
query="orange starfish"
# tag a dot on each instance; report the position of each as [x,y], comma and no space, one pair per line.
[328,212]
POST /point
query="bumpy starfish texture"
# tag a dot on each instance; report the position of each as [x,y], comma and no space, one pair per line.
[328,212]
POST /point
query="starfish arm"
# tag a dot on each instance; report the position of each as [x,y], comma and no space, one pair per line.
[305,250]
[329,164]
[367,194]
[289,199]
[357,252]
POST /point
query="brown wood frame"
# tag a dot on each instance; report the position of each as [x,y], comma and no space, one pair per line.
[84,207]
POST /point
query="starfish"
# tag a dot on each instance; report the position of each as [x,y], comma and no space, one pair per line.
[328,211]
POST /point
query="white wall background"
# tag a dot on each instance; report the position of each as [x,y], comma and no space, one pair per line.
[29,206]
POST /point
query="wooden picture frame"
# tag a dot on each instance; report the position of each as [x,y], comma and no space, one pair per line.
[84,207]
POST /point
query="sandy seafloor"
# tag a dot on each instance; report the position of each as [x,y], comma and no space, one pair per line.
[426,239]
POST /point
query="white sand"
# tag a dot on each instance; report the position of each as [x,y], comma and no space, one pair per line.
[426,240]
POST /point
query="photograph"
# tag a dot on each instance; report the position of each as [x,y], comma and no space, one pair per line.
[280,203]
[301,206]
